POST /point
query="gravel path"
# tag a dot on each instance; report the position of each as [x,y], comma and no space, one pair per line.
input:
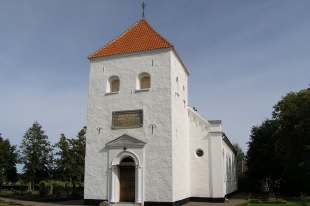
[31,203]
[230,202]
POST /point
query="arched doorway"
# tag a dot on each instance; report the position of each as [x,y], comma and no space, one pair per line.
[126,183]
[127,180]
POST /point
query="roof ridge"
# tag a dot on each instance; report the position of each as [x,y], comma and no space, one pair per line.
[116,38]
[160,36]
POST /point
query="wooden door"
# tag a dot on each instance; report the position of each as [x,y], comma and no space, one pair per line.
[127,183]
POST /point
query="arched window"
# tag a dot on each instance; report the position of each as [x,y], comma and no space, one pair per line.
[113,84]
[144,81]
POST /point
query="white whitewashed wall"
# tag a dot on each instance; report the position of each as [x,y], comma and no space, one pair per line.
[199,166]
[170,167]
[180,130]
[156,105]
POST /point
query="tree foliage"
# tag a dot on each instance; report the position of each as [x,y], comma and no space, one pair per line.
[261,161]
[43,164]
[293,140]
[8,160]
[240,158]
[78,151]
[63,160]
[279,149]
[36,154]
[70,158]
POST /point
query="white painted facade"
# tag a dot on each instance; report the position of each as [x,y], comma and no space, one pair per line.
[167,168]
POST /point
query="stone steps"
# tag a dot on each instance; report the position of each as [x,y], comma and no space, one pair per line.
[125,204]
[119,204]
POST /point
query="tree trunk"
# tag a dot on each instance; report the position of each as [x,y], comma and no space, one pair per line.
[29,187]
[33,186]
[51,189]
[73,188]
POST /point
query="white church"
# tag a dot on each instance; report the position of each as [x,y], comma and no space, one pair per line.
[145,145]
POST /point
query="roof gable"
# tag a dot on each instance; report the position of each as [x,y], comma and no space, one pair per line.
[138,38]
[125,141]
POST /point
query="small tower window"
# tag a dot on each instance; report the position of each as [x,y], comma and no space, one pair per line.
[113,84]
[144,81]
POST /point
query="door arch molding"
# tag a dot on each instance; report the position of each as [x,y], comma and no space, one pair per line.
[117,160]
[115,177]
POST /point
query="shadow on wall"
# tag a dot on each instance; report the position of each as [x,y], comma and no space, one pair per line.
[231,176]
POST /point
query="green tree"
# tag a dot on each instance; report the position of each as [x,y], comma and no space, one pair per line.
[8,161]
[63,161]
[293,140]
[240,157]
[261,161]
[36,155]
[78,151]
[70,158]
[279,149]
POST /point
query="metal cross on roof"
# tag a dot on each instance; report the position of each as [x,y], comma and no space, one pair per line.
[143,8]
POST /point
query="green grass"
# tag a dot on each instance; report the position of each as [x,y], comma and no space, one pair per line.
[280,204]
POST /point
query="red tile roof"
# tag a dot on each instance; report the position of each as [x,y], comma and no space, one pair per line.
[138,38]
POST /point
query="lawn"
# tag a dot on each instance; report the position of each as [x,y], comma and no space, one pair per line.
[280,204]
[4,203]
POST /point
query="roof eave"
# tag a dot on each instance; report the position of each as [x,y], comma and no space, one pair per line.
[90,58]
[229,144]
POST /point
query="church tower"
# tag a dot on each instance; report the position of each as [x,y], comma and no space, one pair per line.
[144,144]
[137,120]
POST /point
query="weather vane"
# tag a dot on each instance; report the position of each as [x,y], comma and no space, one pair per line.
[143,8]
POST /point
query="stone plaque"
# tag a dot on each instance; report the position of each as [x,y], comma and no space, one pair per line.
[127,119]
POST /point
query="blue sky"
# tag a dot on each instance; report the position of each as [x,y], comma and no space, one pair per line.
[243,57]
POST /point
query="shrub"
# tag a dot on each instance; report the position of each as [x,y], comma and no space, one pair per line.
[43,189]
[278,201]
[77,193]
[58,189]
[303,199]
